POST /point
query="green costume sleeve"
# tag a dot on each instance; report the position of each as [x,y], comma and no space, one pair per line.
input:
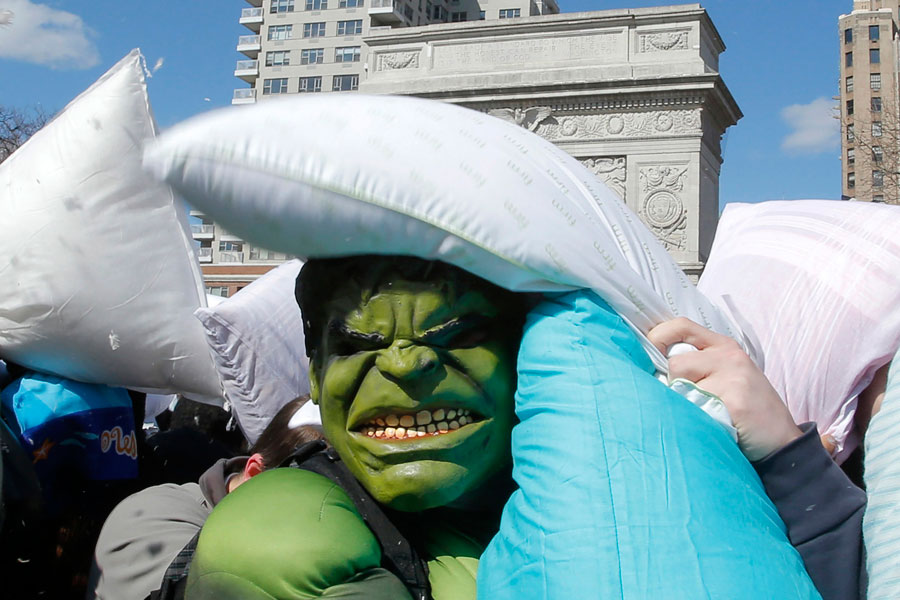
[289,534]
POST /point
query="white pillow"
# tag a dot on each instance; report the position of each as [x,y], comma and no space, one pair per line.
[100,277]
[258,346]
[817,284]
[320,175]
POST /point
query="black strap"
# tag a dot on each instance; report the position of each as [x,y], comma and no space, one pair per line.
[398,555]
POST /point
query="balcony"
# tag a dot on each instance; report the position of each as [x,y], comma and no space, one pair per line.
[204,255]
[254,2]
[252,18]
[244,96]
[203,231]
[230,256]
[249,45]
[384,12]
[248,70]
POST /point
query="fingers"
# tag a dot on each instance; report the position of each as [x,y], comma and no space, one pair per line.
[684,330]
[693,366]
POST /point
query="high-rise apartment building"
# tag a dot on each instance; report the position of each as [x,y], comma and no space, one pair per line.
[310,46]
[301,46]
[870,102]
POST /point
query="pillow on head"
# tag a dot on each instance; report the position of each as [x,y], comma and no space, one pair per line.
[816,283]
[256,337]
[100,276]
[350,174]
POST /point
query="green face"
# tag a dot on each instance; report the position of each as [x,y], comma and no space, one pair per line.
[415,386]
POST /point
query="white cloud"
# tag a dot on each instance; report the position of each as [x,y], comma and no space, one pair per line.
[43,35]
[159,63]
[815,128]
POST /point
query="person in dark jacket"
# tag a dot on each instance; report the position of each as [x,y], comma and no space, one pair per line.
[147,530]
[818,503]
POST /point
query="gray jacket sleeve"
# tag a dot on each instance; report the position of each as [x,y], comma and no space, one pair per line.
[823,513]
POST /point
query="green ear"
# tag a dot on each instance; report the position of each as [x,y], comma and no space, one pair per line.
[313,383]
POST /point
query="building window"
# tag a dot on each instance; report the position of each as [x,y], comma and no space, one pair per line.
[851,180]
[851,156]
[351,3]
[850,135]
[877,154]
[878,198]
[848,59]
[848,36]
[876,128]
[346,54]
[217,290]
[850,84]
[512,13]
[280,32]
[313,30]
[310,84]
[876,104]
[457,17]
[316,4]
[874,33]
[231,246]
[878,178]
[281,6]
[262,254]
[270,86]
[481,15]
[875,81]
[349,27]
[281,58]
[345,83]
[874,56]
[312,56]
[849,107]
[437,12]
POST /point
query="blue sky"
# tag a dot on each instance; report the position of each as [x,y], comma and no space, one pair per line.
[781,65]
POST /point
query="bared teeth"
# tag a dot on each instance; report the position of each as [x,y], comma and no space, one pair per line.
[424,422]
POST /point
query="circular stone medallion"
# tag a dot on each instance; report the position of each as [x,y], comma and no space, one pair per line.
[663,209]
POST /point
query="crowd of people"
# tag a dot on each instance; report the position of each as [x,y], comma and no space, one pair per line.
[386,338]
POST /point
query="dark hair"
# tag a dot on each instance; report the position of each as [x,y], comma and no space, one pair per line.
[278,440]
[320,279]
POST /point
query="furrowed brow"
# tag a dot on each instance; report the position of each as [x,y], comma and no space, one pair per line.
[343,330]
[453,326]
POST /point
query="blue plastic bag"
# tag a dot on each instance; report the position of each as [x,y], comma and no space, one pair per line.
[72,431]
[627,490]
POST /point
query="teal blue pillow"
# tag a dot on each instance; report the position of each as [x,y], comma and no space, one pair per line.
[626,489]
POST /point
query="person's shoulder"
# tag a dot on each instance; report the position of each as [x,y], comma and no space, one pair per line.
[163,502]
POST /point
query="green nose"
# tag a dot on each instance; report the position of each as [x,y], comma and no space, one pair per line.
[405,360]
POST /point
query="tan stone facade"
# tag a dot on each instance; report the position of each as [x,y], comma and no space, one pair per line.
[634,94]
[869,101]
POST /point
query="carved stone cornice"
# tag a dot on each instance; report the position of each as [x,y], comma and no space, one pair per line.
[663,41]
[392,61]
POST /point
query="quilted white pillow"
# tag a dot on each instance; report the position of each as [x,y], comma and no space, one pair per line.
[100,277]
[319,175]
[258,346]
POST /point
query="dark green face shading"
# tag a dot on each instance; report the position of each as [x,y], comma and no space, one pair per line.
[415,383]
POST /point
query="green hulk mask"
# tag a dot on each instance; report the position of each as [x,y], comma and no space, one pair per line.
[413,367]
